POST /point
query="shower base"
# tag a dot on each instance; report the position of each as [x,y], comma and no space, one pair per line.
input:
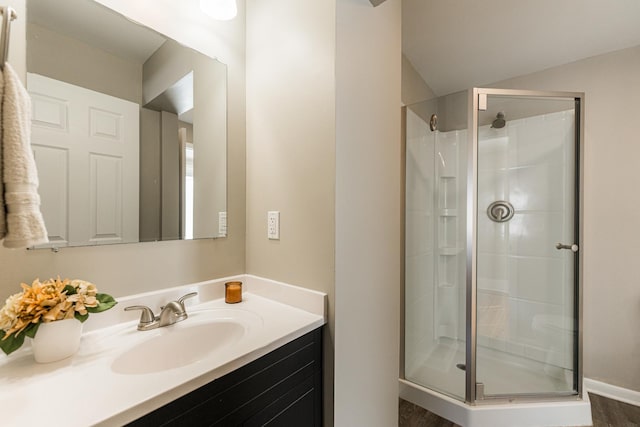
[508,374]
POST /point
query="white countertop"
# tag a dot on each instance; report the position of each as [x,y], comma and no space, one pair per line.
[89,388]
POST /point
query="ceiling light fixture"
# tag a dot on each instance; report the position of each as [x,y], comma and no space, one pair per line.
[222,10]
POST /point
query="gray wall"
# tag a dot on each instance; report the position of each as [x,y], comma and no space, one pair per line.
[150,180]
[151,197]
[414,88]
[368,206]
[166,66]
[72,61]
[323,128]
[291,148]
[170,176]
[209,146]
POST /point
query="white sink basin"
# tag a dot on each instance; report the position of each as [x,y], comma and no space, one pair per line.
[186,342]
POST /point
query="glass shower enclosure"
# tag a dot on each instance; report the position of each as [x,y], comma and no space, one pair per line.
[492,289]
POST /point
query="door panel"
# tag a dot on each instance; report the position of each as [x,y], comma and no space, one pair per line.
[50,161]
[525,286]
[87,150]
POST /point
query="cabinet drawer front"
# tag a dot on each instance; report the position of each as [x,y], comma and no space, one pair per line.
[280,386]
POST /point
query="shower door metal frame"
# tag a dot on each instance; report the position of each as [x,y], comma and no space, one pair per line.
[474,394]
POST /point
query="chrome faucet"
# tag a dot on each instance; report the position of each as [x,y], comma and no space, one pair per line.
[171,313]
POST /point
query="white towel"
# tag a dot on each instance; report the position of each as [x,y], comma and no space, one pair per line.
[24,225]
[3,208]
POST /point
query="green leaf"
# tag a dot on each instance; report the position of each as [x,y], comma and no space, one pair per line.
[12,343]
[70,290]
[31,330]
[105,302]
[81,317]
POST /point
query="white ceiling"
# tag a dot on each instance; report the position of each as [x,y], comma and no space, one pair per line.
[457,44]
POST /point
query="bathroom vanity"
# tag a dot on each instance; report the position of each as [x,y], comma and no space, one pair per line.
[252,363]
[282,388]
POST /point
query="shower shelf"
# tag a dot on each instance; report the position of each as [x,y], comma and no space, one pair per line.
[446,285]
[448,212]
[450,251]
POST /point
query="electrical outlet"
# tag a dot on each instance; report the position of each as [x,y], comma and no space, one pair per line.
[273,225]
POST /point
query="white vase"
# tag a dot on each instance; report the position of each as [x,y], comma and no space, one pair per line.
[56,340]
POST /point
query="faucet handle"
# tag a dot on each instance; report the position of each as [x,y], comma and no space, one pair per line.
[146,317]
[184,297]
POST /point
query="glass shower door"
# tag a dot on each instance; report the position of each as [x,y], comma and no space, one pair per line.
[526,245]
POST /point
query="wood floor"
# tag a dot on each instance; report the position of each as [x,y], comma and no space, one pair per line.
[611,413]
[605,413]
[414,416]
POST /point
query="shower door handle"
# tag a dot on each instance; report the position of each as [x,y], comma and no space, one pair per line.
[573,247]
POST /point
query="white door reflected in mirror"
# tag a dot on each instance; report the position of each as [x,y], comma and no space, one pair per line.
[85,143]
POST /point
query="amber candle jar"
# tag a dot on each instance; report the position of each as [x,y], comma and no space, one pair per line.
[232,292]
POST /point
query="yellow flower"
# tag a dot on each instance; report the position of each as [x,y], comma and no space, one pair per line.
[9,313]
[38,300]
[84,287]
[58,312]
[85,296]
[46,302]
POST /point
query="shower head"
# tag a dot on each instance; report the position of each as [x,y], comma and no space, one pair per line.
[499,122]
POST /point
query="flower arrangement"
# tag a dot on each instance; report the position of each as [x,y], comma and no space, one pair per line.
[44,302]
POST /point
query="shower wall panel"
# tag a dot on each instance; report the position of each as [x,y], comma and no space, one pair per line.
[450,227]
[420,242]
[435,254]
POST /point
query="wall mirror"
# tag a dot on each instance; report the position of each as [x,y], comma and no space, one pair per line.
[129,129]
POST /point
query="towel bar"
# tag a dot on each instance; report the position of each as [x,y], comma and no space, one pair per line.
[8,15]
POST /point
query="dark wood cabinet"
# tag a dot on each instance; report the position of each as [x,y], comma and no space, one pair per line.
[281,389]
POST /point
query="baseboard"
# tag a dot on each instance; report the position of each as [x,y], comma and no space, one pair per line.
[612,391]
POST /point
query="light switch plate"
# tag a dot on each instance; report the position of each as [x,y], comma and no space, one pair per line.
[222,224]
[273,225]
